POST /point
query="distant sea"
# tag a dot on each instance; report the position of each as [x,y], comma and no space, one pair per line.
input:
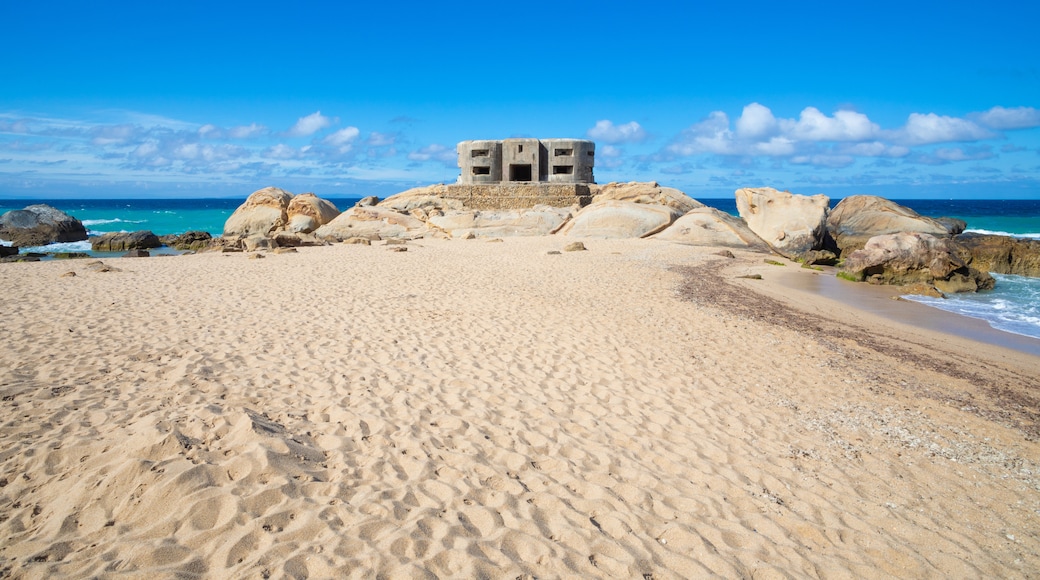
[1014,306]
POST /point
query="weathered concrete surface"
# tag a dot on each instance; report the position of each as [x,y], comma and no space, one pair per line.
[526,160]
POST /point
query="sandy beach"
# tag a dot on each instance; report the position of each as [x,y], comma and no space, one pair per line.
[470,409]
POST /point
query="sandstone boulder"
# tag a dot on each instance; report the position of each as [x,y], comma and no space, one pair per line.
[707,226]
[307,212]
[858,218]
[910,258]
[619,219]
[374,223]
[1002,254]
[39,225]
[538,221]
[649,192]
[263,212]
[791,224]
[424,198]
[123,241]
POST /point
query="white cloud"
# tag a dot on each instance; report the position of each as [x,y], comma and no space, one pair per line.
[812,125]
[1015,118]
[434,152]
[756,121]
[608,151]
[922,129]
[247,131]
[309,125]
[376,139]
[342,138]
[712,135]
[608,132]
[875,149]
[281,151]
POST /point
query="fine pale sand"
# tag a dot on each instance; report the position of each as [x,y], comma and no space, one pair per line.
[476,409]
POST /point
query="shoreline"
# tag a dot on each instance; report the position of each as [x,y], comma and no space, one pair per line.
[469,408]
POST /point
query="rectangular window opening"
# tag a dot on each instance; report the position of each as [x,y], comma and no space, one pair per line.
[591,153]
[481,171]
[519,173]
[519,148]
[563,169]
[564,152]
[479,153]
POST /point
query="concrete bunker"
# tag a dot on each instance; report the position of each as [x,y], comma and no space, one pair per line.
[526,161]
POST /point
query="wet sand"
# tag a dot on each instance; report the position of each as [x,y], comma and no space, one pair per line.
[467,408]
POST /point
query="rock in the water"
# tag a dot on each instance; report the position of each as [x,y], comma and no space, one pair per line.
[8,251]
[858,218]
[538,221]
[39,225]
[649,192]
[307,212]
[1002,254]
[791,224]
[122,241]
[707,226]
[263,212]
[373,222]
[192,240]
[619,219]
[910,258]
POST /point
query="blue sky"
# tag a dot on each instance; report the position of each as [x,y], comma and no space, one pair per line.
[900,99]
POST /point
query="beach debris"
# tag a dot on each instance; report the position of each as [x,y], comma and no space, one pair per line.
[751,276]
[575,247]
[398,248]
[256,256]
[69,275]
[554,252]
[285,251]
[725,254]
[774,262]
[495,240]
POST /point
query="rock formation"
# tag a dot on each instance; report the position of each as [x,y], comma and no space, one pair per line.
[619,219]
[648,192]
[278,216]
[791,224]
[707,226]
[123,241]
[1002,254]
[858,218]
[307,212]
[263,212]
[373,222]
[192,240]
[909,258]
[538,221]
[39,225]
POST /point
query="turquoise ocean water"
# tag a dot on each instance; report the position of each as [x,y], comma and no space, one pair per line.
[1014,306]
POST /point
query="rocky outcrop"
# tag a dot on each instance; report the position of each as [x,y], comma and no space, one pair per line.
[707,226]
[193,240]
[307,212]
[39,225]
[430,197]
[123,241]
[791,224]
[648,192]
[1002,254]
[619,219]
[374,223]
[858,218]
[910,258]
[539,221]
[263,212]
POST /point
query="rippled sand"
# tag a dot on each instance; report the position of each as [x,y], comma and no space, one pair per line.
[468,409]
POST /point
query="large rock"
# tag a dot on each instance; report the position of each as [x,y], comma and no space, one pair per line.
[430,197]
[707,226]
[39,225]
[538,221]
[372,222]
[192,240]
[123,241]
[1002,254]
[791,224]
[619,219]
[307,212]
[263,212]
[858,218]
[910,258]
[644,192]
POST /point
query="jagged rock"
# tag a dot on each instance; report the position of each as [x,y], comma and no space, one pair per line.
[538,221]
[725,254]
[649,192]
[822,257]
[707,226]
[574,247]
[1002,254]
[192,240]
[367,201]
[373,222]
[39,225]
[910,258]
[296,240]
[254,243]
[858,218]
[791,224]
[122,241]
[307,212]
[619,219]
[8,251]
